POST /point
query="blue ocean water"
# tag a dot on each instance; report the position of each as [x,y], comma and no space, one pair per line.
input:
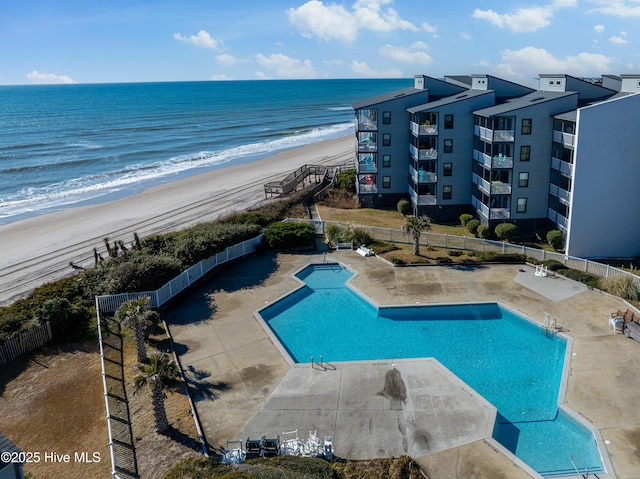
[61,145]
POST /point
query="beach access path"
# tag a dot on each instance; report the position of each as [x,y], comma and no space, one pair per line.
[40,249]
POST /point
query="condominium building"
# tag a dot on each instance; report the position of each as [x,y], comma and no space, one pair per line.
[507,153]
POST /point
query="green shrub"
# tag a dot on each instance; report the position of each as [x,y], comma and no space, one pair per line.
[455,252]
[404,207]
[621,286]
[493,257]
[443,260]
[359,236]
[336,234]
[397,261]
[346,180]
[505,231]
[281,235]
[472,226]
[554,265]
[587,278]
[554,238]
[465,218]
[483,232]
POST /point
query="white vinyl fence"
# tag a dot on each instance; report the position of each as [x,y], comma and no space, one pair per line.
[478,244]
[25,342]
[111,302]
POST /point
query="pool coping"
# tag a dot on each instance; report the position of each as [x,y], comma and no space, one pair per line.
[562,393]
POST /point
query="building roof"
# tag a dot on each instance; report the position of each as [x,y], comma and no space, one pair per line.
[6,446]
[386,97]
[567,116]
[463,79]
[525,101]
[449,100]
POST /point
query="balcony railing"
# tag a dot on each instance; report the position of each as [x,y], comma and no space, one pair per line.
[561,166]
[567,139]
[366,167]
[423,129]
[499,214]
[562,195]
[421,176]
[367,124]
[480,207]
[503,135]
[484,133]
[557,218]
[500,189]
[366,188]
[367,146]
[424,154]
[427,200]
[483,184]
[482,158]
[502,162]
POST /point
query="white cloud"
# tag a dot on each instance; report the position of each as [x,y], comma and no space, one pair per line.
[261,76]
[226,59]
[220,77]
[529,62]
[405,55]
[419,45]
[521,20]
[36,77]
[598,28]
[619,40]
[617,8]
[287,67]
[465,36]
[363,69]
[428,27]
[333,62]
[201,40]
[332,21]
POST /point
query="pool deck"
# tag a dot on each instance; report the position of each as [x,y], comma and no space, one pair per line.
[244,385]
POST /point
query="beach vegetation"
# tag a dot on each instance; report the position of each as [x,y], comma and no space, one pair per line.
[404,207]
[622,286]
[348,234]
[289,235]
[483,232]
[554,238]
[472,226]
[157,373]
[346,180]
[414,226]
[134,314]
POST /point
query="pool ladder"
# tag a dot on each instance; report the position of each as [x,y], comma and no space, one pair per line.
[575,459]
[550,325]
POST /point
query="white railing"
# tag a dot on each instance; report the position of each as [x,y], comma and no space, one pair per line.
[366,167]
[500,189]
[111,302]
[561,166]
[562,195]
[503,135]
[567,139]
[25,342]
[483,133]
[423,154]
[480,207]
[482,158]
[366,188]
[499,161]
[423,129]
[478,244]
[556,218]
[483,184]
[499,214]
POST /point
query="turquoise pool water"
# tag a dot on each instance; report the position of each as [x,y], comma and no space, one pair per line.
[503,356]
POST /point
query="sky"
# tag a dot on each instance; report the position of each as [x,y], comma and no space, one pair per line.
[105,41]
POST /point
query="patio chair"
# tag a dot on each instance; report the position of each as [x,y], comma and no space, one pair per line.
[614,321]
[253,448]
[233,453]
[270,447]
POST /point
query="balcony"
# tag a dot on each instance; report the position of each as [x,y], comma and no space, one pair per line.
[366,167]
[482,158]
[365,188]
[494,135]
[422,176]
[427,200]
[367,146]
[501,161]
[567,139]
[562,166]
[562,195]
[484,185]
[500,188]
[499,214]
[557,218]
[367,124]
[480,207]
[419,130]
[425,154]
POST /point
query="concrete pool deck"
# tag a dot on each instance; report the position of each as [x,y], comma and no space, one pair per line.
[238,373]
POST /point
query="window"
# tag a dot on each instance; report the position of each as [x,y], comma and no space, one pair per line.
[386,117]
[448,122]
[525,153]
[522,205]
[386,161]
[447,169]
[448,146]
[386,182]
[446,192]
[386,139]
[523,179]
[526,126]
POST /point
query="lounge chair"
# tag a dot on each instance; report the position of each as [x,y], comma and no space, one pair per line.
[233,453]
[541,270]
[291,445]
[253,448]
[328,448]
[270,447]
[614,321]
[632,330]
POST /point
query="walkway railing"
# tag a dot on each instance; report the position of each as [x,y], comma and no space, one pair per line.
[479,244]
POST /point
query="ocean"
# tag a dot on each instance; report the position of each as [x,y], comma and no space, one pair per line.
[68,145]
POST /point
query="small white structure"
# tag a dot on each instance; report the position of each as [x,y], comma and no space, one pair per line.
[364,251]
[344,246]
[541,270]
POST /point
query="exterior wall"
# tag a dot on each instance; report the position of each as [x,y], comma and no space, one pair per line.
[539,166]
[604,219]
[630,83]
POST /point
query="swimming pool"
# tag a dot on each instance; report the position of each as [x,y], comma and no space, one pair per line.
[503,356]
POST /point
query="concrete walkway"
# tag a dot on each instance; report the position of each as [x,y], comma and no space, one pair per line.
[240,374]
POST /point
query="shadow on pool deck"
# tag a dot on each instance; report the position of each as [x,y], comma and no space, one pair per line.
[230,347]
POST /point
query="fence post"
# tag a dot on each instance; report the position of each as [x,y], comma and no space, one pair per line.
[445,240]
[543,252]
[586,261]
[503,247]
[464,242]
[606,274]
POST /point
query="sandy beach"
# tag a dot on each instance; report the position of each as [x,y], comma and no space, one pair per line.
[39,249]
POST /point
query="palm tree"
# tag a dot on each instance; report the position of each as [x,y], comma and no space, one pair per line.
[134,314]
[160,368]
[415,225]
